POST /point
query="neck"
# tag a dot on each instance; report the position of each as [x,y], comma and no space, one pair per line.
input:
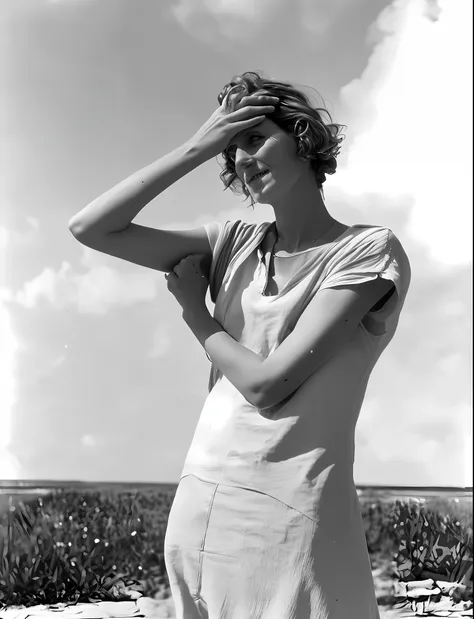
[301,217]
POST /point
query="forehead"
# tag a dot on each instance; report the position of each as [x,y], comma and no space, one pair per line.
[267,127]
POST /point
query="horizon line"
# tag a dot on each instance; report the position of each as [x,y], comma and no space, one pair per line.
[46,482]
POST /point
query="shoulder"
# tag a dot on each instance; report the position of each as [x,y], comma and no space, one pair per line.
[239,225]
[368,251]
[236,232]
[370,232]
[374,231]
[232,238]
[375,239]
[381,249]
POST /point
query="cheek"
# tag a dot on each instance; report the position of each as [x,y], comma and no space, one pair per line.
[275,152]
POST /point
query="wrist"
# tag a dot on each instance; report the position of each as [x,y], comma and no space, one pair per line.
[195,313]
[201,323]
[196,150]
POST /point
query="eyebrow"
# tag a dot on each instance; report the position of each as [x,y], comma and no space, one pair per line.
[245,132]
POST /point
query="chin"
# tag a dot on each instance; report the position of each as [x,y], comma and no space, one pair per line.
[261,201]
[263,197]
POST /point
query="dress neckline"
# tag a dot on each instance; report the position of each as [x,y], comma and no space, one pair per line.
[310,249]
[272,229]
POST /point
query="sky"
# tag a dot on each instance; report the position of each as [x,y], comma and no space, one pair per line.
[100,378]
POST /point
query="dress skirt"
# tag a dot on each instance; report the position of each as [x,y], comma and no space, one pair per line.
[235,553]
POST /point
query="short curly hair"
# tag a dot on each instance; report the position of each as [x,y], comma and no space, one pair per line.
[317,141]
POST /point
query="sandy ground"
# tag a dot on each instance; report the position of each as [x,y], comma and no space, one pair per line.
[161,609]
[164,608]
[384,583]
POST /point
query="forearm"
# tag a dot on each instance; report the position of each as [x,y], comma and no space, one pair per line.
[114,210]
[241,366]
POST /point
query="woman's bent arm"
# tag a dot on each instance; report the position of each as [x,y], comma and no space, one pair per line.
[106,223]
[323,329]
[114,210]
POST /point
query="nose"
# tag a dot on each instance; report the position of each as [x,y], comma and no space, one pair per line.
[243,161]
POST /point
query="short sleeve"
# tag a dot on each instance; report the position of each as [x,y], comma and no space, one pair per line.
[226,240]
[378,253]
[213,231]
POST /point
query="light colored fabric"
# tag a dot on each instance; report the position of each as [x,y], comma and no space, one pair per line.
[233,553]
[301,451]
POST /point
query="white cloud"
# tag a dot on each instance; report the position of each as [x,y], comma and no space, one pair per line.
[411,117]
[455,308]
[261,213]
[102,285]
[98,287]
[245,9]
[316,16]
[161,342]
[451,363]
[33,222]
[91,440]
[14,239]
[418,440]
[10,467]
[216,22]
[92,292]
[468,447]
[9,464]
[231,19]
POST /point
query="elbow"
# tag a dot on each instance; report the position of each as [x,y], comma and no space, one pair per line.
[264,403]
[76,228]
[270,399]
[74,231]
[255,400]
[267,389]
[83,233]
[263,396]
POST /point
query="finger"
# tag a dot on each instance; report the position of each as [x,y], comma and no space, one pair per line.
[227,103]
[234,94]
[251,122]
[264,99]
[187,259]
[250,111]
[194,258]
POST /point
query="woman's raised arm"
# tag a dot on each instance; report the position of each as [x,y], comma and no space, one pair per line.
[106,223]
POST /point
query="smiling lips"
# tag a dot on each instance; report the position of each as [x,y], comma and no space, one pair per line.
[257,176]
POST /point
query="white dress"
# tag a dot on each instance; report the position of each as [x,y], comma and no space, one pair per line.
[301,451]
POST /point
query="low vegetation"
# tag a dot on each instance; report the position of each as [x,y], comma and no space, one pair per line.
[74,546]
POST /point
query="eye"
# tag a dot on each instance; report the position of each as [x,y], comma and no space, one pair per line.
[251,138]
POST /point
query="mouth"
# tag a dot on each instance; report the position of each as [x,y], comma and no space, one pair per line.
[257,176]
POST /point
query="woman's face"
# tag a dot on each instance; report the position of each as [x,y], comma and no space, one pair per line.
[267,149]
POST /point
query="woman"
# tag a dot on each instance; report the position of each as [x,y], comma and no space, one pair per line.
[266,520]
